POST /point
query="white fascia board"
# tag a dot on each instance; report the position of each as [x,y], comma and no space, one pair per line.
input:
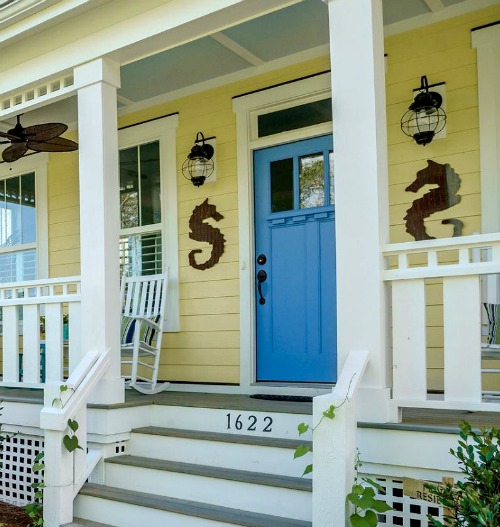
[27,16]
[175,22]
[437,16]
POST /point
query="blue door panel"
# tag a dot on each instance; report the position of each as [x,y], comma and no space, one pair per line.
[296,326]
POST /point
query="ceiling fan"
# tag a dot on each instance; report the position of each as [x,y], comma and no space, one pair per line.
[39,138]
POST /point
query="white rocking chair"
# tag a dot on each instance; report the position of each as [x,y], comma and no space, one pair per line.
[143,301]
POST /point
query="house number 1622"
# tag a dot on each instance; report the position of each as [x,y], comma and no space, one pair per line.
[249,424]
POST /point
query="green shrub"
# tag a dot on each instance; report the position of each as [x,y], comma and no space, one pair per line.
[474,501]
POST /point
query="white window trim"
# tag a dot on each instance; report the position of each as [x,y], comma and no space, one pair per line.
[164,131]
[247,108]
[37,164]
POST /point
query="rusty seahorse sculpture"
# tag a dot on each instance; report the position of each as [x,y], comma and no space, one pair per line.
[441,198]
[204,232]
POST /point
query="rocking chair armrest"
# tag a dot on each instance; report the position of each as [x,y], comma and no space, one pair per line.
[147,321]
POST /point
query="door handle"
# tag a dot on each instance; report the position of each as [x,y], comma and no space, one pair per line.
[261,278]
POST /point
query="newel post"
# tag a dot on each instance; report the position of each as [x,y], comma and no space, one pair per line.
[97,82]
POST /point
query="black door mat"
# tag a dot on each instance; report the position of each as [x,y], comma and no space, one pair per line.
[291,398]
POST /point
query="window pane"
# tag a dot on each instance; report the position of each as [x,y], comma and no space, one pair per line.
[150,184]
[18,266]
[293,118]
[311,181]
[13,215]
[28,210]
[140,254]
[282,185]
[129,188]
[332,179]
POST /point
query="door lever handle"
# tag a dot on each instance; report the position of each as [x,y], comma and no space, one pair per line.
[261,278]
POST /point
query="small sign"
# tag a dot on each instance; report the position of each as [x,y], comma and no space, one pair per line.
[416,488]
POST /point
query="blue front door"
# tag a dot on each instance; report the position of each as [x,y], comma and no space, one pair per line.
[295,262]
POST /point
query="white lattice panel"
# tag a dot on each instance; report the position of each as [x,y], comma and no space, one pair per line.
[407,512]
[18,456]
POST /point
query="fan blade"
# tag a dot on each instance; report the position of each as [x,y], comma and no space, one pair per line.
[57,144]
[14,152]
[10,136]
[44,132]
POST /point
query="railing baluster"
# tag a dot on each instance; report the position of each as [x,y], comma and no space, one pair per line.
[409,340]
[10,344]
[462,338]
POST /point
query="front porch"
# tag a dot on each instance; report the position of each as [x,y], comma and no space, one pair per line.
[192,441]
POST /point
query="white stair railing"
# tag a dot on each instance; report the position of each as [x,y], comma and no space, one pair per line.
[459,264]
[66,472]
[35,348]
[334,445]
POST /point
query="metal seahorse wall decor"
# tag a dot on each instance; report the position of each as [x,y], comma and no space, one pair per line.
[204,232]
[437,199]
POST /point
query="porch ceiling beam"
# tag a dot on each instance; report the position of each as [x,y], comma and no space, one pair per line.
[434,5]
[237,49]
[123,100]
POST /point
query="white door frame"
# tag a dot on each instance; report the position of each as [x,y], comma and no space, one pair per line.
[247,109]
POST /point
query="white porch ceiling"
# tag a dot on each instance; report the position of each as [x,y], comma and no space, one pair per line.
[295,32]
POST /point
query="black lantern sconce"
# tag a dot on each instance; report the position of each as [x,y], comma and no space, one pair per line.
[199,164]
[425,118]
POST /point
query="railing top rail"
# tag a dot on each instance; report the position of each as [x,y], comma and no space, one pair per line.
[40,291]
[42,282]
[473,241]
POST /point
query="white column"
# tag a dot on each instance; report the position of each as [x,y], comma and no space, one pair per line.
[361,187]
[97,82]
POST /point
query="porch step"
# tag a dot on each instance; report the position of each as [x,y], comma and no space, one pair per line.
[197,466]
[78,522]
[161,510]
[271,455]
[238,489]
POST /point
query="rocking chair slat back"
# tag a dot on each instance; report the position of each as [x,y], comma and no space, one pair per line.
[143,300]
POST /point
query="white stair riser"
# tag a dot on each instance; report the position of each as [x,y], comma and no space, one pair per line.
[126,515]
[265,424]
[290,503]
[270,460]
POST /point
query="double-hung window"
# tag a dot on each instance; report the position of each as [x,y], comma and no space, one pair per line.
[148,205]
[23,248]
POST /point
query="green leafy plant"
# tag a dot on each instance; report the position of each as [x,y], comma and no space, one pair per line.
[70,441]
[35,510]
[474,501]
[366,504]
[302,450]
[362,497]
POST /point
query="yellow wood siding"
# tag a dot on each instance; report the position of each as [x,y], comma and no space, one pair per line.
[63,214]
[443,52]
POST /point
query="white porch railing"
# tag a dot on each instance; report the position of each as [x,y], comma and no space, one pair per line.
[66,472]
[459,263]
[334,445]
[31,358]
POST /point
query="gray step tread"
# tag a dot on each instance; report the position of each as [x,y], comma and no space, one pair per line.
[244,476]
[221,437]
[78,522]
[190,508]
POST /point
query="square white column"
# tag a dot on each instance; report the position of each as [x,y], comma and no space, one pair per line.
[97,82]
[361,188]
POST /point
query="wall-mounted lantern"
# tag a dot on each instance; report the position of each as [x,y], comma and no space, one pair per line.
[425,117]
[199,164]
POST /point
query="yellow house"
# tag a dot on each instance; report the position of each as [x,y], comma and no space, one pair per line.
[327,259]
